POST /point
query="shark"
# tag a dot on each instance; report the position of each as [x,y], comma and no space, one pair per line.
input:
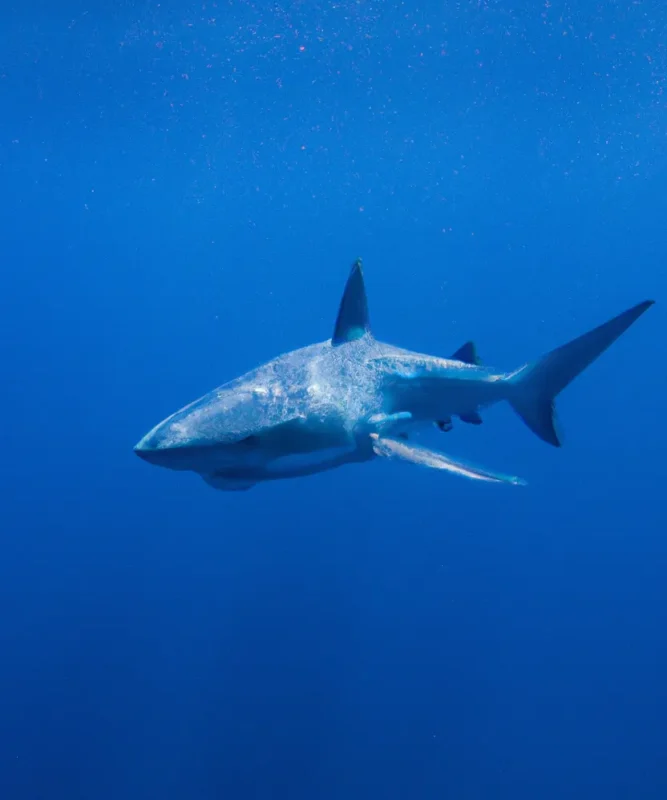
[354,399]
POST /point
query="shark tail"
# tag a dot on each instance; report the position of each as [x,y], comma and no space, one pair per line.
[536,385]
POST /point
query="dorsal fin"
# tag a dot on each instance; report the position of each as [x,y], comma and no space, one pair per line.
[468,354]
[352,321]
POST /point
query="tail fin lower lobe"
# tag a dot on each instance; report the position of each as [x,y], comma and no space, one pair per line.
[537,384]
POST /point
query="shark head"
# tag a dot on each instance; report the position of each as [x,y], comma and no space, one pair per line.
[253,429]
[285,418]
[220,430]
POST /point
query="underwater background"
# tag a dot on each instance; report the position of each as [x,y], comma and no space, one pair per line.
[184,188]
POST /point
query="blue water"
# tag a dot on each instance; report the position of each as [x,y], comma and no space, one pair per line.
[184,187]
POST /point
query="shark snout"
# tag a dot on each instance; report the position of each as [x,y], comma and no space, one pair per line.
[150,450]
[161,448]
[178,458]
[144,452]
[156,447]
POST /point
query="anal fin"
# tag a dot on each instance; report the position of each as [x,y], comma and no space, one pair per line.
[421,456]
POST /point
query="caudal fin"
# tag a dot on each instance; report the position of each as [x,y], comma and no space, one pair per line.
[536,385]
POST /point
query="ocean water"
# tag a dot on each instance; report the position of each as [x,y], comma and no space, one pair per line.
[184,187]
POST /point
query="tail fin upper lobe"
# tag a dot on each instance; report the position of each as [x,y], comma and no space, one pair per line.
[536,385]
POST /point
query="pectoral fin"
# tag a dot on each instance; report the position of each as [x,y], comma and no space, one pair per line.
[384,422]
[392,448]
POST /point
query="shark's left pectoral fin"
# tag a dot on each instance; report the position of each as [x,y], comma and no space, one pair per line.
[384,422]
[352,321]
[392,448]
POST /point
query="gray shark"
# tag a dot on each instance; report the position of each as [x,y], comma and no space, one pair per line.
[353,399]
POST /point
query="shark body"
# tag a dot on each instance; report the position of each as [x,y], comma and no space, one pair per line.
[353,399]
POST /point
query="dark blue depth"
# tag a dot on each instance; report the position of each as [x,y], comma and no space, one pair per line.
[184,188]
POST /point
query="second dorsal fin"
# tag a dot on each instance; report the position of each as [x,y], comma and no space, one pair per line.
[467,353]
[352,321]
